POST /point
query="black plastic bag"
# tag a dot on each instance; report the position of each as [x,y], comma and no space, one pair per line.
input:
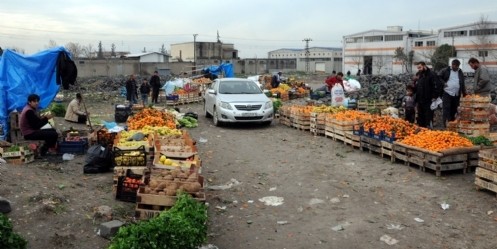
[98,160]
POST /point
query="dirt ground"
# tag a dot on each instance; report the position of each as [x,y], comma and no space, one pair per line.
[334,196]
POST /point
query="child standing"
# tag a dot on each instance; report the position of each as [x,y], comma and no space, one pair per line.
[145,91]
[409,104]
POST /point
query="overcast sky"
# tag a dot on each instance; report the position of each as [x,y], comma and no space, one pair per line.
[255,27]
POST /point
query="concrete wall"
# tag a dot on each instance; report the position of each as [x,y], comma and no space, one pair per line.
[114,67]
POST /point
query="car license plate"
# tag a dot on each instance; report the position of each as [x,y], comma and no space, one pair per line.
[248,114]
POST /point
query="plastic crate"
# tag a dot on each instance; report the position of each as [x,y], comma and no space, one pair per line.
[125,192]
[122,157]
[78,148]
[172,97]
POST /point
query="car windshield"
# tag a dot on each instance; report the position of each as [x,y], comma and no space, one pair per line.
[239,87]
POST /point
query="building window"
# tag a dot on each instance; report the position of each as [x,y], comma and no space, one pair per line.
[418,44]
[430,43]
[483,53]
[376,38]
[337,59]
[394,37]
[483,32]
[456,33]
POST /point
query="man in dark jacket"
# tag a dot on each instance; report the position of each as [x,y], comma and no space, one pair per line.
[155,84]
[426,93]
[454,88]
[131,90]
[483,86]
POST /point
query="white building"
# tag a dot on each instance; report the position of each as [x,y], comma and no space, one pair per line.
[153,57]
[321,59]
[373,51]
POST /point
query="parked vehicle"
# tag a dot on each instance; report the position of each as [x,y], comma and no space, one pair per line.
[233,100]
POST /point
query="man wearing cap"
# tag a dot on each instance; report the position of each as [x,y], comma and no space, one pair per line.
[155,84]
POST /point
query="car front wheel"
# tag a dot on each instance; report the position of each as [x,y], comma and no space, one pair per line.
[215,120]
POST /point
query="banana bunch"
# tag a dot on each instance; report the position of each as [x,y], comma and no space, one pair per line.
[161,130]
[328,109]
[124,143]
[126,160]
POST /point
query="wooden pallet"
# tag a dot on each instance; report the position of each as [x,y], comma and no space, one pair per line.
[17,157]
[336,135]
[317,126]
[486,179]
[370,144]
[352,140]
[317,132]
[386,149]
[301,127]
[449,160]
[399,153]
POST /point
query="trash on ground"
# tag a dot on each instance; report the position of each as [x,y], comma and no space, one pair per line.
[221,207]
[338,228]
[67,157]
[202,140]
[394,227]
[419,220]
[233,182]
[282,222]
[335,200]
[250,201]
[389,240]
[272,200]
[315,201]
[490,212]
[345,196]
[445,206]
[272,189]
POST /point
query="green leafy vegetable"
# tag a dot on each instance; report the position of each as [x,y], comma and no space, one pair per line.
[184,226]
[8,238]
[480,140]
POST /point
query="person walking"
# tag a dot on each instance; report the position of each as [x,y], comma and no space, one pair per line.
[155,84]
[454,88]
[482,78]
[131,91]
[426,92]
[145,91]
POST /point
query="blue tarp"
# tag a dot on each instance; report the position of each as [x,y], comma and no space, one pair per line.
[226,68]
[22,75]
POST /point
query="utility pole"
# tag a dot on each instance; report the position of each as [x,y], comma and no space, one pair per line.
[307,53]
[194,53]
[453,48]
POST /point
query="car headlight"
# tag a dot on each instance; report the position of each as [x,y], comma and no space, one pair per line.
[226,105]
[268,105]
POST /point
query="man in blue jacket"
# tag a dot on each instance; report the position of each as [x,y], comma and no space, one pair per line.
[454,88]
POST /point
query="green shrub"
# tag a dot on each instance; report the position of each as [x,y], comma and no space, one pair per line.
[8,238]
[57,109]
[184,226]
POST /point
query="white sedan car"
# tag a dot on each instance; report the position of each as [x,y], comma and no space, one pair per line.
[237,100]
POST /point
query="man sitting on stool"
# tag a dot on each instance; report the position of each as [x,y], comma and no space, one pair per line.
[74,113]
[32,126]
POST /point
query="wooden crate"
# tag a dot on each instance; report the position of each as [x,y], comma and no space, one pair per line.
[17,157]
[336,135]
[370,144]
[150,205]
[301,127]
[317,132]
[486,179]
[352,139]
[386,149]
[448,160]
[399,153]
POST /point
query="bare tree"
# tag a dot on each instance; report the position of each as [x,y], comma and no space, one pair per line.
[379,62]
[405,59]
[357,59]
[75,49]
[144,50]
[483,37]
[100,53]
[51,44]
[88,51]
[163,49]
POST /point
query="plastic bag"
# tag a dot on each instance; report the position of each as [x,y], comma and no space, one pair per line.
[351,85]
[98,160]
[337,95]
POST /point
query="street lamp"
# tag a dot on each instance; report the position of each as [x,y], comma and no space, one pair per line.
[194,53]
